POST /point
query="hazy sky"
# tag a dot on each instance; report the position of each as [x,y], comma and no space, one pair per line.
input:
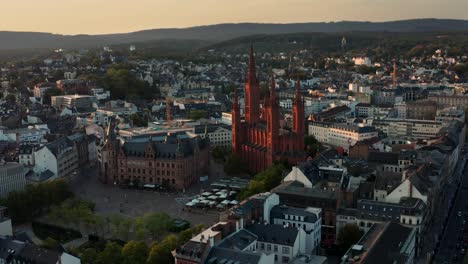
[110,16]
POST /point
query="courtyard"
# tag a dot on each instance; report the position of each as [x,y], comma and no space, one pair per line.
[111,200]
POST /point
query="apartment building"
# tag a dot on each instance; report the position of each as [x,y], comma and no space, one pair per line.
[340,135]
[12,177]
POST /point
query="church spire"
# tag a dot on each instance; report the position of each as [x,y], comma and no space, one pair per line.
[251,92]
[251,73]
[298,98]
[272,88]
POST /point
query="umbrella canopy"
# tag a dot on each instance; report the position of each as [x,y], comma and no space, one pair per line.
[195,201]
[220,206]
[206,194]
[234,202]
[215,190]
[189,204]
[212,203]
[226,202]
[213,197]
[204,202]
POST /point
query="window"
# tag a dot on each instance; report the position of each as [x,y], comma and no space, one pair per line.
[285,250]
[275,248]
[285,259]
[268,247]
[262,246]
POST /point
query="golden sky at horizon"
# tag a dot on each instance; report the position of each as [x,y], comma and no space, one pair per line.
[112,16]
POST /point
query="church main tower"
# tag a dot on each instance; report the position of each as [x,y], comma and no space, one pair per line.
[251,92]
[261,141]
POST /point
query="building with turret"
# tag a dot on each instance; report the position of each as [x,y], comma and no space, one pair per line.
[173,161]
[257,136]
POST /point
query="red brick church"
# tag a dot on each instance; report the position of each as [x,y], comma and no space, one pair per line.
[257,137]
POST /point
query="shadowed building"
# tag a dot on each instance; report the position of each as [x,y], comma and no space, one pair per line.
[174,161]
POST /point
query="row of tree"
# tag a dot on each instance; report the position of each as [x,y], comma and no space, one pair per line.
[78,214]
[35,199]
[137,251]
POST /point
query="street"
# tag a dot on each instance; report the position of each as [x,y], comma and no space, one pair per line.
[452,248]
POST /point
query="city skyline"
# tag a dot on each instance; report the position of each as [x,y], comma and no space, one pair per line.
[99,17]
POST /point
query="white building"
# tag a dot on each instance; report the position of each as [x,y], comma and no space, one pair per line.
[33,134]
[101,94]
[408,128]
[362,61]
[340,135]
[60,158]
[219,135]
[12,178]
[286,104]
[41,88]
[308,219]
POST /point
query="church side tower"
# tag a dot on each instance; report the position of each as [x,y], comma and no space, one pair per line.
[299,116]
[236,124]
[251,92]
[273,119]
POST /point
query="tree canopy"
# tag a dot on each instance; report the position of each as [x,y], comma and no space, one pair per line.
[263,182]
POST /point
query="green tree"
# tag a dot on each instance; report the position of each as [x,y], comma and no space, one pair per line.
[156,223]
[218,153]
[138,120]
[135,252]
[263,181]
[50,243]
[161,253]
[196,114]
[110,255]
[49,93]
[349,235]
[89,256]
[234,165]
[312,146]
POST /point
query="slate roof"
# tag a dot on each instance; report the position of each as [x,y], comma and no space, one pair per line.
[239,240]
[225,255]
[9,249]
[297,188]
[169,148]
[383,211]
[27,148]
[60,143]
[275,234]
[37,255]
[279,212]
[388,246]
[200,129]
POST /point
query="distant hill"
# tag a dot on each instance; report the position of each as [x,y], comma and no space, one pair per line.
[389,42]
[220,32]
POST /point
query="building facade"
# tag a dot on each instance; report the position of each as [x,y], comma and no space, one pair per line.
[12,178]
[258,138]
[172,161]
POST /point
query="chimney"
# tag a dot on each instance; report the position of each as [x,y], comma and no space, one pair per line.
[211,242]
[242,223]
[237,226]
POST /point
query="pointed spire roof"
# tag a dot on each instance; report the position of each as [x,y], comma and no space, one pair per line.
[298,90]
[272,86]
[251,72]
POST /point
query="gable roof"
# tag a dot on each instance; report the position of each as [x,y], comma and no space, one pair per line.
[275,234]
